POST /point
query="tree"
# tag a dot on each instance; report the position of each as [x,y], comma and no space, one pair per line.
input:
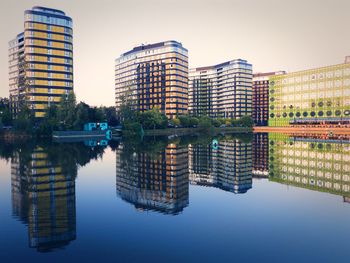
[184,120]
[25,119]
[152,119]
[5,117]
[204,122]
[216,123]
[66,112]
[82,115]
[111,116]
[175,122]
[246,121]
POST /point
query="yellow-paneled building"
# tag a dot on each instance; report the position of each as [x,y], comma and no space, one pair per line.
[41,60]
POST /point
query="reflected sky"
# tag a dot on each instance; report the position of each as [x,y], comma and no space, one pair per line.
[266,197]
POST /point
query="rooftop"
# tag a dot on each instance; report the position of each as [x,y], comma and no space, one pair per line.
[152,46]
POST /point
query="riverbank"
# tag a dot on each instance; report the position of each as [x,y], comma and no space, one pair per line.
[304,130]
[12,135]
[189,131]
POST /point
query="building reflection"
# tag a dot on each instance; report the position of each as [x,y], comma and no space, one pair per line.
[313,163]
[154,181]
[260,156]
[43,198]
[224,164]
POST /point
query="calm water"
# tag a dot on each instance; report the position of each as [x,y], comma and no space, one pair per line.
[266,198]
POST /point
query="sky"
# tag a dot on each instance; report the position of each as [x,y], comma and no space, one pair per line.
[270,34]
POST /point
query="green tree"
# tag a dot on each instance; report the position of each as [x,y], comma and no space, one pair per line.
[246,121]
[184,120]
[66,112]
[204,122]
[153,119]
[111,116]
[25,120]
[216,123]
[82,115]
[175,122]
[5,117]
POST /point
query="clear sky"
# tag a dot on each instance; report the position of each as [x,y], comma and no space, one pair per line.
[270,34]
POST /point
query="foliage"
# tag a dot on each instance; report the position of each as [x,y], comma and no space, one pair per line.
[132,129]
[175,122]
[153,119]
[204,122]
[188,121]
[216,123]
[244,121]
[25,120]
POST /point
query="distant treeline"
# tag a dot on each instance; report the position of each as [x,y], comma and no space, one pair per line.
[67,115]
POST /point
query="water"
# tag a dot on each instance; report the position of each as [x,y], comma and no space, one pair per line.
[267,198]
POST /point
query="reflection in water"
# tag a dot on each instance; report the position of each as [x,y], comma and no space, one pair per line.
[226,164]
[260,155]
[43,191]
[157,181]
[155,175]
[44,199]
[316,164]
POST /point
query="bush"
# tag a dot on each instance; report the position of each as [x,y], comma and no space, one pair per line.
[175,122]
[132,129]
[153,119]
[246,121]
[216,123]
[188,121]
[204,122]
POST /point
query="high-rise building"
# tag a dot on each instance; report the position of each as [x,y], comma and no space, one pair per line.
[260,112]
[157,182]
[221,91]
[41,60]
[316,164]
[226,165]
[319,96]
[154,75]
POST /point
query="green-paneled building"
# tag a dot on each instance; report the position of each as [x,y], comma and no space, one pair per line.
[315,96]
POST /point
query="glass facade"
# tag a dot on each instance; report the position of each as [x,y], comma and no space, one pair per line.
[260,112]
[318,96]
[221,91]
[152,76]
[41,60]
